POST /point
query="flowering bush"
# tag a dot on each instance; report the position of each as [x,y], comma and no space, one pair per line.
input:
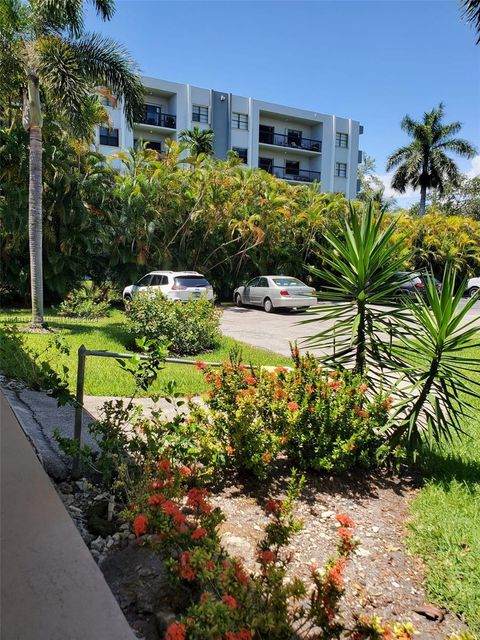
[176,518]
[322,420]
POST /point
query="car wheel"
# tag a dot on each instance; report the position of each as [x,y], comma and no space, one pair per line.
[472,291]
[238,300]
[127,301]
[268,306]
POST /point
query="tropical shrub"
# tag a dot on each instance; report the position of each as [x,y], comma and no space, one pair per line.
[173,515]
[89,302]
[322,420]
[188,327]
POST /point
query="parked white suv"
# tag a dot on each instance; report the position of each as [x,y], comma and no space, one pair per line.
[473,286]
[176,285]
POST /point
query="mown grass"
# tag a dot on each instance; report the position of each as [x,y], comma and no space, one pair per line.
[104,377]
[445,526]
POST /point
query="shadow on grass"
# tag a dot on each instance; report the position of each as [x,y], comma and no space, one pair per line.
[17,362]
[444,467]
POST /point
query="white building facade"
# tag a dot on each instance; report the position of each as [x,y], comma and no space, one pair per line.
[293,144]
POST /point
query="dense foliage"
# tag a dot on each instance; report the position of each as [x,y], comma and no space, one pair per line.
[219,217]
[187,328]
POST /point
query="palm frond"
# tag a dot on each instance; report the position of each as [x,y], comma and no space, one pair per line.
[105,62]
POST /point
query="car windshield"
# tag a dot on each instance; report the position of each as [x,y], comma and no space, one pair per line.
[191,281]
[284,281]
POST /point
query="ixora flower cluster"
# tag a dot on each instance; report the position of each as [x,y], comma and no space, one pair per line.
[322,420]
[175,517]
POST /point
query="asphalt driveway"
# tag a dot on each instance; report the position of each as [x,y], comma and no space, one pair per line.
[274,331]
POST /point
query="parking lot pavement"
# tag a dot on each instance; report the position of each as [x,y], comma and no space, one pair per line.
[274,331]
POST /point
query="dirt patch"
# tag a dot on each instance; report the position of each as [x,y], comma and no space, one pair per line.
[382,578]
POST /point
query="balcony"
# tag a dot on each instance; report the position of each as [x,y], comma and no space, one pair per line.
[302,175]
[290,141]
[153,116]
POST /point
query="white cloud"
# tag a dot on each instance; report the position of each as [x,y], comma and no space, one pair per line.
[386,180]
[474,171]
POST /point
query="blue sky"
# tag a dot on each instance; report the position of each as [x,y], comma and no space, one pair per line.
[373,61]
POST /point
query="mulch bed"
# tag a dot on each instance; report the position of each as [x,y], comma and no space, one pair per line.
[382,578]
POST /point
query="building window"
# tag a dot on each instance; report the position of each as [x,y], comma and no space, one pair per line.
[342,140]
[242,154]
[109,137]
[240,121]
[341,169]
[294,138]
[266,164]
[292,168]
[199,114]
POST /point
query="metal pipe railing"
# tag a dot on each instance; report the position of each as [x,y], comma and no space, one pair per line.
[83,352]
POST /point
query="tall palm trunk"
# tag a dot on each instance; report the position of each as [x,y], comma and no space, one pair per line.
[423,200]
[35,201]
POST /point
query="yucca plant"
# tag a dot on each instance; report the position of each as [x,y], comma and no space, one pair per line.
[438,383]
[360,269]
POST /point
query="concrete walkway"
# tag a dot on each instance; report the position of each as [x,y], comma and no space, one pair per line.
[51,588]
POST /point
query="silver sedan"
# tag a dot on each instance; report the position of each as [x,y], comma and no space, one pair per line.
[275,292]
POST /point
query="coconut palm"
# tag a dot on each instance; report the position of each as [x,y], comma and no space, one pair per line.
[424,163]
[198,140]
[471,12]
[48,63]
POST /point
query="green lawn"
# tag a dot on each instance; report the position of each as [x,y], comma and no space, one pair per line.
[445,526]
[103,375]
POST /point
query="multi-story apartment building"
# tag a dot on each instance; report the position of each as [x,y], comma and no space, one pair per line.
[293,144]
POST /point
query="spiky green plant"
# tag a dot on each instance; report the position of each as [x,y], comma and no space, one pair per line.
[360,269]
[437,382]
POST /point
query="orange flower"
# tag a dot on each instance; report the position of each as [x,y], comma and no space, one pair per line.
[200,365]
[344,520]
[250,380]
[200,532]
[185,471]
[230,601]
[156,500]
[240,574]
[140,524]
[176,631]
[388,403]
[267,457]
[229,450]
[363,388]
[267,556]
[335,384]
[292,406]
[309,388]
[360,412]
[164,465]
[273,506]
[279,394]
[335,574]
[156,484]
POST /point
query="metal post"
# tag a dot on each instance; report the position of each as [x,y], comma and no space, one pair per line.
[77,432]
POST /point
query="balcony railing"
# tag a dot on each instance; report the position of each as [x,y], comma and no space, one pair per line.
[289,140]
[152,115]
[303,175]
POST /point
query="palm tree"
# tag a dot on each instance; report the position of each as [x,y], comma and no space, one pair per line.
[198,141]
[423,163]
[49,64]
[471,12]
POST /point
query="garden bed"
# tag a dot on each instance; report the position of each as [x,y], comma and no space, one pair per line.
[382,578]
